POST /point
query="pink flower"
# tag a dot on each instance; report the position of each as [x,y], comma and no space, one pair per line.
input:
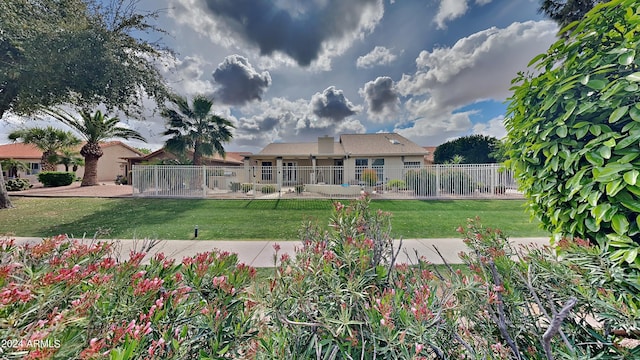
[419,348]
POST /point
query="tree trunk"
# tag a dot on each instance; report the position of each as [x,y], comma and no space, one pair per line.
[46,164]
[90,177]
[5,202]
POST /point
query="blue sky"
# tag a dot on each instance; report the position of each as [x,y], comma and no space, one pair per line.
[290,71]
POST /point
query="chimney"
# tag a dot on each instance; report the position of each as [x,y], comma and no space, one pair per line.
[325,145]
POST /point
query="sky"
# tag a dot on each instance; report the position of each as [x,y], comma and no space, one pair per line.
[291,70]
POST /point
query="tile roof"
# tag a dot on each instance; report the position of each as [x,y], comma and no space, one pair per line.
[26,151]
[231,157]
[19,151]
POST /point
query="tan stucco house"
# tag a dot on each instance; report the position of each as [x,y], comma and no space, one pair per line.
[110,165]
[164,157]
[333,162]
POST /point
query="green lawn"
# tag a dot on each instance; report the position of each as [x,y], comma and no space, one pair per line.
[244,219]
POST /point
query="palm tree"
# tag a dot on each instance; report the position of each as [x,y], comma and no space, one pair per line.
[70,158]
[196,129]
[12,167]
[50,140]
[94,128]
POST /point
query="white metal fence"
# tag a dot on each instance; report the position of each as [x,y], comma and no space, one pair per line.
[435,181]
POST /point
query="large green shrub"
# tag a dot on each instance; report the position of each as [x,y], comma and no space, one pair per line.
[422,182]
[574,128]
[56,178]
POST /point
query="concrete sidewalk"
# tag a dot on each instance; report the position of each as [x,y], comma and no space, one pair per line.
[260,253]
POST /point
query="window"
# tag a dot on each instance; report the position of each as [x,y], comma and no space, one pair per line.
[412,164]
[361,164]
[378,166]
[267,171]
[34,168]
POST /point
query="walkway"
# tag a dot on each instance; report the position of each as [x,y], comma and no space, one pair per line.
[260,253]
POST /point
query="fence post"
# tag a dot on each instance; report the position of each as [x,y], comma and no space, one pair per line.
[204,181]
[155,178]
[438,167]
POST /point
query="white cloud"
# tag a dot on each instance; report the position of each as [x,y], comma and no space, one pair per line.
[494,127]
[475,68]
[380,55]
[449,10]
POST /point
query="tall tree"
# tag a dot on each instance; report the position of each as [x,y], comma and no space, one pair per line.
[80,52]
[195,128]
[565,12]
[473,149]
[94,128]
[49,140]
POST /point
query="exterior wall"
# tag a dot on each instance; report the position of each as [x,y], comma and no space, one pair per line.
[31,163]
[111,163]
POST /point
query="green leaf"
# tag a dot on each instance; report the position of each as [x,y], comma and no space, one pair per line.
[631,177]
[605,152]
[631,204]
[618,113]
[631,255]
[594,158]
[620,224]
[590,223]
[634,112]
[609,172]
[596,84]
[561,131]
[626,58]
[614,187]
[633,77]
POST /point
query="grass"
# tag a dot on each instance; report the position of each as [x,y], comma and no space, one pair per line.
[169,219]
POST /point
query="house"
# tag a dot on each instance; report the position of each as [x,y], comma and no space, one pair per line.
[28,154]
[336,163]
[428,159]
[164,157]
[111,164]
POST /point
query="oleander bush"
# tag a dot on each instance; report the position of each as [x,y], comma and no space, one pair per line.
[56,178]
[342,295]
[18,184]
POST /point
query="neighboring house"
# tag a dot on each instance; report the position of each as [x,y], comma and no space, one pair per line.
[28,154]
[336,163]
[164,157]
[110,165]
[428,159]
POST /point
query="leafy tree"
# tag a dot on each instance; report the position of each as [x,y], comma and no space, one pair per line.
[50,140]
[195,128]
[81,52]
[565,12]
[573,132]
[94,128]
[70,158]
[473,149]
